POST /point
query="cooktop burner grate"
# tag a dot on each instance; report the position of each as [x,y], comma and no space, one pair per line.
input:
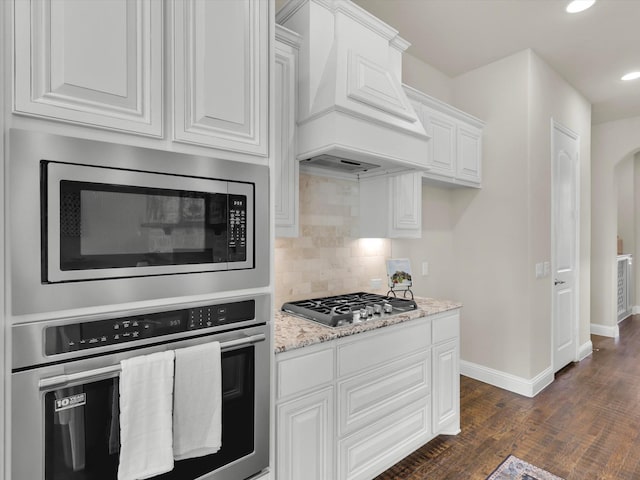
[339,310]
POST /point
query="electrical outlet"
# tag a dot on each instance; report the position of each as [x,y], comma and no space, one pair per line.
[376,283]
[425,269]
[546,269]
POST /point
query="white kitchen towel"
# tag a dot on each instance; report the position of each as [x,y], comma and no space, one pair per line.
[146,400]
[197,402]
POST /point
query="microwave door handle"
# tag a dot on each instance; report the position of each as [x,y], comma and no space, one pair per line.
[112,370]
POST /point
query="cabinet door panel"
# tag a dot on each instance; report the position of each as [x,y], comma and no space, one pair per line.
[221,74]
[443,152]
[96,63]
[469,148]
[406,192]
[446,381]
[286,163]
[305,438]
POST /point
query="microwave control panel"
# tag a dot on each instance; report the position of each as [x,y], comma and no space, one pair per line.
[81,336]
[237,228]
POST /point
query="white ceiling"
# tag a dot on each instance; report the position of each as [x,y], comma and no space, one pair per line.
[591,49]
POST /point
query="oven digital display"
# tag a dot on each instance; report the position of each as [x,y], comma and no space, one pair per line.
[80,336]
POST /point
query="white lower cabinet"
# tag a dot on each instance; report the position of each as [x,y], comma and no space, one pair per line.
[446,375]
[446,405]
[305,437]
[349,409]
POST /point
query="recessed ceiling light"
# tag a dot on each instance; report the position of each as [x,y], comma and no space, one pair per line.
[579,5]
[631,76]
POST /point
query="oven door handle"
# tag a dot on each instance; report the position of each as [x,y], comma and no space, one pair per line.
[106,372]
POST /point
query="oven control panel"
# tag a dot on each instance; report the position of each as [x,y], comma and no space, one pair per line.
[80,336]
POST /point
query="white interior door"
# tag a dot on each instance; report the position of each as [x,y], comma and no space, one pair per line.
[566,215]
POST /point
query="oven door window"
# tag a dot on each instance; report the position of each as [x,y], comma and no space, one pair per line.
[82,431]
[117,226]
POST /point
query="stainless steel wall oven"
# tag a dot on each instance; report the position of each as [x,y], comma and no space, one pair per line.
[94,223]
[65,388]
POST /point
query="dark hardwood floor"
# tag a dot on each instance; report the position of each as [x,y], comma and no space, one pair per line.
[584,426]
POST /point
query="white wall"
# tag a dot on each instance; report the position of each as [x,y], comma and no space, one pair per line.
[435,247]
[507,321]
[612,142]
[497,234]
[625,181]
[634,248]
[490,225]
[425,78]
[553,97]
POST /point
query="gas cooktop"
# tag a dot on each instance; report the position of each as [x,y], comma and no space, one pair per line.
[351,308]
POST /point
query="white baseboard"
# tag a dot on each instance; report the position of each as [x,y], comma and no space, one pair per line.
[605,330]
[585,350]
[513,383]
[635,310]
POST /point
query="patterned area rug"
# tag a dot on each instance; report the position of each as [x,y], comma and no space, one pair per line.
[515,469]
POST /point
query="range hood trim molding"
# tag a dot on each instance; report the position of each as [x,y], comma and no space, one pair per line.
[360,116]
[353,11]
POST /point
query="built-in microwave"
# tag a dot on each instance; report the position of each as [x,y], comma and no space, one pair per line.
[94,223]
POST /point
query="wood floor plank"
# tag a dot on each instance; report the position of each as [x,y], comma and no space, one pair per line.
[585,425]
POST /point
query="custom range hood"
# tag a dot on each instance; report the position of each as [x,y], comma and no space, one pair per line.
[353,115]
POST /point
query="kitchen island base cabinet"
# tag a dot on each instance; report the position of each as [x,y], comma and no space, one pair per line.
[350,408]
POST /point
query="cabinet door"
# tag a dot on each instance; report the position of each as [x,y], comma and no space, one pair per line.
[97,63]
[286,164]
[221,73]
[443,143]
[406,211]
[446,388]
[469,153]
[305,437]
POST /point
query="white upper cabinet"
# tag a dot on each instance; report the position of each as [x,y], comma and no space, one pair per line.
[455,150]
[221,79]
[96,63]
[391,207]
[285,163]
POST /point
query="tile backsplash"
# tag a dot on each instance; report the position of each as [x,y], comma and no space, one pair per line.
[328,258]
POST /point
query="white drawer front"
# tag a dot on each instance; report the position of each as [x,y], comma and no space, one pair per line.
[446,328]
[372,396]
[383,346]
[300,373]
[372,450]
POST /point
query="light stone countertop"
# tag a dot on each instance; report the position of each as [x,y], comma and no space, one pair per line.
[293,332]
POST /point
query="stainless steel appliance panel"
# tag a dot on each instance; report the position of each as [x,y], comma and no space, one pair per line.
[39,433]
[30,294]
